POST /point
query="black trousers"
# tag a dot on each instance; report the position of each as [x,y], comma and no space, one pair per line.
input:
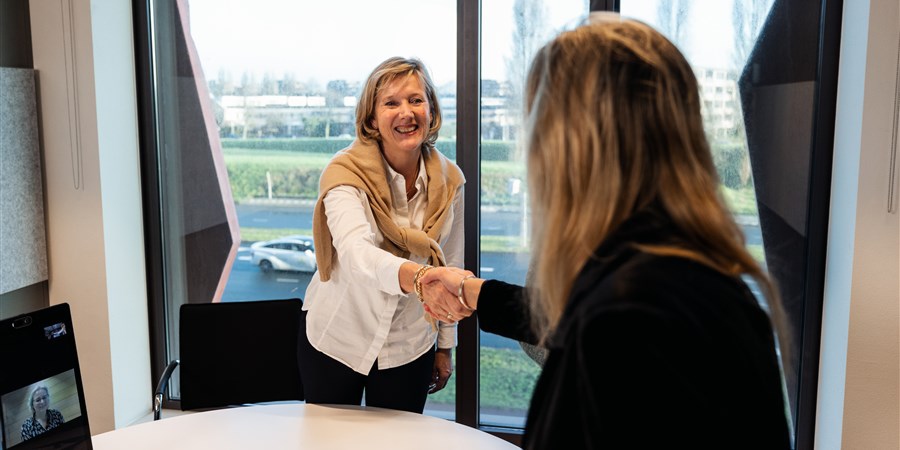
[326,380]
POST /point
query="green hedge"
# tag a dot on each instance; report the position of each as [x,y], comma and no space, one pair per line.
[490,150]
[295,173]
[507,380]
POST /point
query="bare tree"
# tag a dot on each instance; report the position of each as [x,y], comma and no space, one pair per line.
[672,17]
[269,84]
[529,33]
[747,18]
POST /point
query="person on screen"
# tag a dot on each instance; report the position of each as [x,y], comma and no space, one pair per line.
[639,294]
[42,418]
[389,208]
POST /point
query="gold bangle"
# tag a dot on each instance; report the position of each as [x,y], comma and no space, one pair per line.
[417,284]
[461,293]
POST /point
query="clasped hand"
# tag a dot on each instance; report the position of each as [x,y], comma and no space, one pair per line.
[440,293]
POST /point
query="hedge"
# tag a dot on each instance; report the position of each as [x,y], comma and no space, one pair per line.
[490,150]
[295,173]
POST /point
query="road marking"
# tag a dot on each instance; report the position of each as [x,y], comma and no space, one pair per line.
[244,258]
[287,280]
[487,269]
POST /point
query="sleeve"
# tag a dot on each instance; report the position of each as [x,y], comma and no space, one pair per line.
[454,253]
[27,430]
[354,242]
[502,310]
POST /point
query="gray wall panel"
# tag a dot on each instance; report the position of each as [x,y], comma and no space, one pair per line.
[23,242]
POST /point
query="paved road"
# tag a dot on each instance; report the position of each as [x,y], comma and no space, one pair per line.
[493,222]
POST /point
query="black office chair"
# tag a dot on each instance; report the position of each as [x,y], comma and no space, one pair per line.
[236,353]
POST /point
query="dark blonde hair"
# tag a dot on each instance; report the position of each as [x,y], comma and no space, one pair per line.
[614,126]
[388,71]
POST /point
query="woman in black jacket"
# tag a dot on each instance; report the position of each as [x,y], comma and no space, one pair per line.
[639,294]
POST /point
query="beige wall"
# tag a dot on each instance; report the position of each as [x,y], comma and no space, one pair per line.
[859,391]
[83,53]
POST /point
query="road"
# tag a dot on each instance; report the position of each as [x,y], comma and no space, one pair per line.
[493,222]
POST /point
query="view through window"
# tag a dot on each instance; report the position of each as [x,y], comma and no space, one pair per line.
[518,29]
[284,77]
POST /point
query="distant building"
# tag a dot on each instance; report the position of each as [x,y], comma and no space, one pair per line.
[721,107]
[317,116]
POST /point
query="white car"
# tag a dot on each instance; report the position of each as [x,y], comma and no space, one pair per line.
[293,253]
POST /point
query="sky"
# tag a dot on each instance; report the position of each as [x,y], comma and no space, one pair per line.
[346,39]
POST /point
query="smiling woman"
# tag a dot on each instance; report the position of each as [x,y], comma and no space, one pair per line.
[389,208]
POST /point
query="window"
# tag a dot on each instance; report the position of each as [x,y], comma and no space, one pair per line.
[518,29]
[277,100]
[249,90]
[773,148]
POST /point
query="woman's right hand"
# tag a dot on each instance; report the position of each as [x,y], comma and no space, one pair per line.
[440,287]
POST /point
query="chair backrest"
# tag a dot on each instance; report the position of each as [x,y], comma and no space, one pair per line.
[236,353]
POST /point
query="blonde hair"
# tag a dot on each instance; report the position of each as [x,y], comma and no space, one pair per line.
[386,72]
[614,127]
[33,393]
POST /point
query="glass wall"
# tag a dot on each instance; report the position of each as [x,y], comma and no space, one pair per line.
[243,103]
[278,87]
[767,73]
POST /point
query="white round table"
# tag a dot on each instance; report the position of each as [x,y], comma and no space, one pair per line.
[294,426]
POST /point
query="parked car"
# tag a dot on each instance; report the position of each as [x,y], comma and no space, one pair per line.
[293,253]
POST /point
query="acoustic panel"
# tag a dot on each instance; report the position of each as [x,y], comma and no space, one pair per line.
[23,241]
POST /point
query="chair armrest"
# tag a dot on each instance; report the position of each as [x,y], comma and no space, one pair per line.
[161,388]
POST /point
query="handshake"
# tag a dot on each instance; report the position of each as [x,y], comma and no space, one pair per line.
[448,294]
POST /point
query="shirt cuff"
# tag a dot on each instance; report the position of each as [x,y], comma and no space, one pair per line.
[446,335]
[387,270]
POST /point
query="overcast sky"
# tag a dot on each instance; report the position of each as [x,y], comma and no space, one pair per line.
[345,39]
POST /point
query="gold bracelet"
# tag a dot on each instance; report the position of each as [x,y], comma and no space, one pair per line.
[417,284]
[461,293]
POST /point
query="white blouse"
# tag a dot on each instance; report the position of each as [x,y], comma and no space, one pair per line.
[361,314]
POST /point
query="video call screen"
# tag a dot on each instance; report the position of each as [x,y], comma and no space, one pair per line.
[56,396]
[41,397]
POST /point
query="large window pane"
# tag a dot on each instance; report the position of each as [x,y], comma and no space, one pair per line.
[283,78]
[757,68]
[518,28]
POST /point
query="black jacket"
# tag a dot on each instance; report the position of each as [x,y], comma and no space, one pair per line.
[651,352]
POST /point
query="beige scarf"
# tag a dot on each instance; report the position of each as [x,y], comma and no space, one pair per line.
[360,165]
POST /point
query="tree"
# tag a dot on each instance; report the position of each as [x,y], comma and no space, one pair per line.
[249,84]
[226,82]
[529,34]
[747,19]
[290,85]
[672,17]
[335,91]
[269,84]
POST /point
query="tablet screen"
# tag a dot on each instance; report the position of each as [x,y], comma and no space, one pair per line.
[41,395]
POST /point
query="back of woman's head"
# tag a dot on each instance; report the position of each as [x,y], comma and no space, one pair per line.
[614,126]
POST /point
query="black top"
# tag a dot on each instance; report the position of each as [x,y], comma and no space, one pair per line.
[651,352]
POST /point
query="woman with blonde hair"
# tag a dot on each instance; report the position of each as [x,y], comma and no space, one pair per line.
[389,208]
[43,417]
[639,293]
